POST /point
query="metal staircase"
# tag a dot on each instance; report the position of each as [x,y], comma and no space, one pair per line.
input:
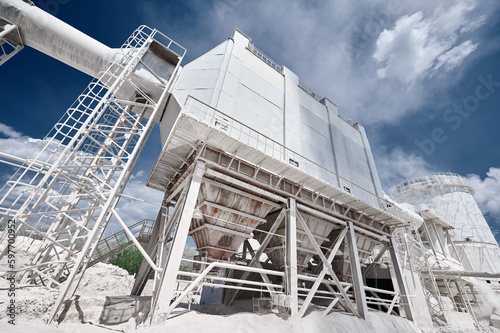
[417,258]
[121,240]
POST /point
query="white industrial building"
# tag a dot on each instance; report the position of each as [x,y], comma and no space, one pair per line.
[449,196]
[243,83]
[279,193]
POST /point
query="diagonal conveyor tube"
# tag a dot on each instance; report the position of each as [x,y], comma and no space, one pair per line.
[55,38]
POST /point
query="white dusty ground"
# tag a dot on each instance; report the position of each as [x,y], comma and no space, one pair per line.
[85,314]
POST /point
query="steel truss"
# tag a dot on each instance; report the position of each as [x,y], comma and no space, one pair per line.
[436,277]
[67,191]
[11,41]
[289,287]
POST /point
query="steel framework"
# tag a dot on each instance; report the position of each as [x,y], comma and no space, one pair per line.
[66,192]
[315,235]
[11,41]
[208,151]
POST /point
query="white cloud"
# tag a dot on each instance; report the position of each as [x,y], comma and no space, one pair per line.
[395,165]
[487,192]
[19,145]
[9,131]
[420,44]
[455,56]
[330,45]
[130,210]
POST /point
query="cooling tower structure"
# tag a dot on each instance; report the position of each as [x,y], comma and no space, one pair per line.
[451,197]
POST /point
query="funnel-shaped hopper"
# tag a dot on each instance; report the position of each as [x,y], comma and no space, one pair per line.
[227,219]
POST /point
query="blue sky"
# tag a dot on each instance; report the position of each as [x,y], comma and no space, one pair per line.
[423,77]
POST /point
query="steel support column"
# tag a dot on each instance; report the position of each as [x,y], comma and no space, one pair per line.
[372,266]
[172,264]
[357,278]
[291,256]
[145,269]
[403,288]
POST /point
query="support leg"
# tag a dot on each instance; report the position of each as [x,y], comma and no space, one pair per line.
[403,288]
[291,256]
[357,278]
[145,269]
[255,259]
[169,275]
[328,265]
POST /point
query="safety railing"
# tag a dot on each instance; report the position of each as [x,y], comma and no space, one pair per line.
[260,142]
[434,179]
[120,240]
[262,56]
[309,91]
[205,277]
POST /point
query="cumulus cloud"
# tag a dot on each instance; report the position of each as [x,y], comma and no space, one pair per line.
[19,145]
[16,143]
[130,210]
[487,192]
[395,165]
[135,211]
[9,132]
[419,44]
[455,56]
[330,45]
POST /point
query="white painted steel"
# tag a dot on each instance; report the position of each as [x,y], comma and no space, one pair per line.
[328,265]
[450,196]
[87,160]
[10,40]
[7,29]
[247,86]
[291,256]
[55,38]
[200,122]
[135,241]
[206,271]
[402,284]
[164,294]
[358,285]
[320,277]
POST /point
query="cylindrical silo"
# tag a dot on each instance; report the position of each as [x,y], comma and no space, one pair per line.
[451,196]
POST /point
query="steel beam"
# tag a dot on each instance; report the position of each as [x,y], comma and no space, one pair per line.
[256,258]
[168,277]
[145,270]
[335,301]
[291,256]
[403,288]
[357,278]
[259,265]
[319,279]
[336,281]
[371,267]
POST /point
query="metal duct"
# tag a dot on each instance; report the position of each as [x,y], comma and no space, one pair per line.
[55,38]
